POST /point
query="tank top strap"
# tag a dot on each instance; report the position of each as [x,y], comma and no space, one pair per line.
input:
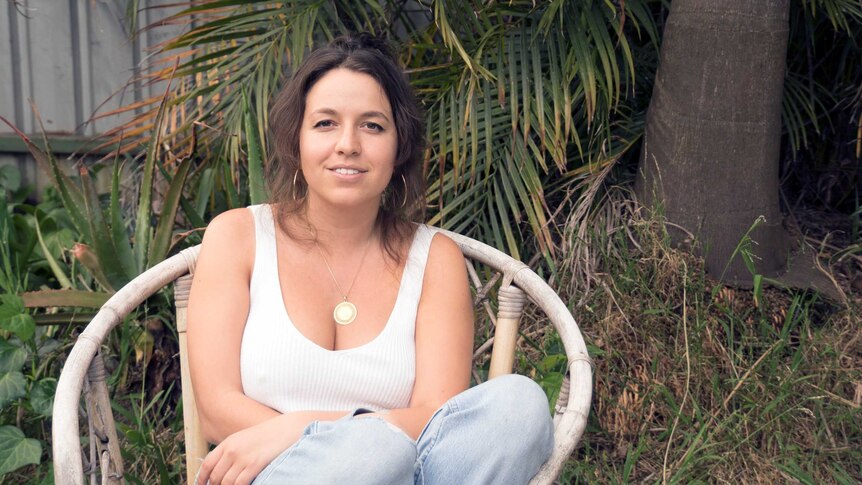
[417,258]
[264,242]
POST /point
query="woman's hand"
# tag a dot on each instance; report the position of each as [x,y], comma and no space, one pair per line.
[243,455]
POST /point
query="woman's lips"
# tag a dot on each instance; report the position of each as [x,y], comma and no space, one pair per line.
[345,173]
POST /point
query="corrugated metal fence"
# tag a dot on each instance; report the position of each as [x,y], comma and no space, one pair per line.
[73,59]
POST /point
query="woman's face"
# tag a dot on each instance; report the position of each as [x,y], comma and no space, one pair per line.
[347,141]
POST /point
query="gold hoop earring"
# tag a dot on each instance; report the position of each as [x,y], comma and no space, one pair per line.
[295,187]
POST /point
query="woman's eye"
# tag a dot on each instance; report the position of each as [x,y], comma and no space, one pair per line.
[373,126]
[323,124]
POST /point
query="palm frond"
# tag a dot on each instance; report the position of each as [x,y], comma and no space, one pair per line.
[519,95]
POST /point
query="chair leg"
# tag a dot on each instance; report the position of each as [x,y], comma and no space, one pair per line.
[511,304]
[102,423]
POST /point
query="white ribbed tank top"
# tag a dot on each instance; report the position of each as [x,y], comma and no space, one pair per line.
[286,371]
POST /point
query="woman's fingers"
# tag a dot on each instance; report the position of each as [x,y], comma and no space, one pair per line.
[228,464]
[222,462]
[205,473]
[231,475]
[245,477]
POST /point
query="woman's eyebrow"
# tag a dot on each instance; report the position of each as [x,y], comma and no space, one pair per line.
[375,114]
[325,111]
[366,114]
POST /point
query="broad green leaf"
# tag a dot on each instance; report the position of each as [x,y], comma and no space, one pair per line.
[10,305]
[22,325]
[42,396]
[16,450]
[13,385]
[12,356]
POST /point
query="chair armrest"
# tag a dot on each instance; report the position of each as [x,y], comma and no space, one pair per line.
[571,419]
[68,464]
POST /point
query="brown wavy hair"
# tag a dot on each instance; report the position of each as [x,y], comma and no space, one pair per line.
[403,201]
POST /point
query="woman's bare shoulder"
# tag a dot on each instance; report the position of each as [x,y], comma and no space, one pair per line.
[445,251]
[445,265]
[233,220]
[230,238]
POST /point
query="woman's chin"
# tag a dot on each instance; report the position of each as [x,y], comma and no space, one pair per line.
[348,203]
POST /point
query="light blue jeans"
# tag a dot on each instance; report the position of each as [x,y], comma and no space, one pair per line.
[497,432]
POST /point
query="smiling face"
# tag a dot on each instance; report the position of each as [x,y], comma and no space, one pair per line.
[347,141]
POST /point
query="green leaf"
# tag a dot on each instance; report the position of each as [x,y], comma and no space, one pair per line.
[102,242]
[12,356]
[161,241]
[10,305]
[16,450]
[52,262]
[42,396]
[118,227]
[257,188]
[22,325]
[12,386]
[143,229]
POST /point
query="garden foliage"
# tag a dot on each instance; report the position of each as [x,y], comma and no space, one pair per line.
[530,107]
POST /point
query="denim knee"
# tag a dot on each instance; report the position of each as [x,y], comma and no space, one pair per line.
[517,395]
[500,431]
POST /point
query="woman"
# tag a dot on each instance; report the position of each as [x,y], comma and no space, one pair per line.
[330,337]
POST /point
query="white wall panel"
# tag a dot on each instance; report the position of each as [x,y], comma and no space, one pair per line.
[8,102]
[74,59]
[51,64]
[110,63]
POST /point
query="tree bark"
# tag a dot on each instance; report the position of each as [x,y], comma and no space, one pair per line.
[713,131]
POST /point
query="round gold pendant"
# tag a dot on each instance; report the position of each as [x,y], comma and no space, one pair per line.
[344,313]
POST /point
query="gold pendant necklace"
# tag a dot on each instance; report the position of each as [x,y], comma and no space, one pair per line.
[345,312]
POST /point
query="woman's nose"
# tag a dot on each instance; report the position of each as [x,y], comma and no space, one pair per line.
[348,143]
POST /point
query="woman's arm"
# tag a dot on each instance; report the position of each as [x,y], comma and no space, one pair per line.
[249,434]
[217,311]
[444,337]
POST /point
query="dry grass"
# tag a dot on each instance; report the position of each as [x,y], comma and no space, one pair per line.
[697,382]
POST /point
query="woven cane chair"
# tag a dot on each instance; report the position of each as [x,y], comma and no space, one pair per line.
[85,371]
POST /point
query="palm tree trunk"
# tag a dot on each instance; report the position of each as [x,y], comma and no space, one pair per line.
[711,148]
